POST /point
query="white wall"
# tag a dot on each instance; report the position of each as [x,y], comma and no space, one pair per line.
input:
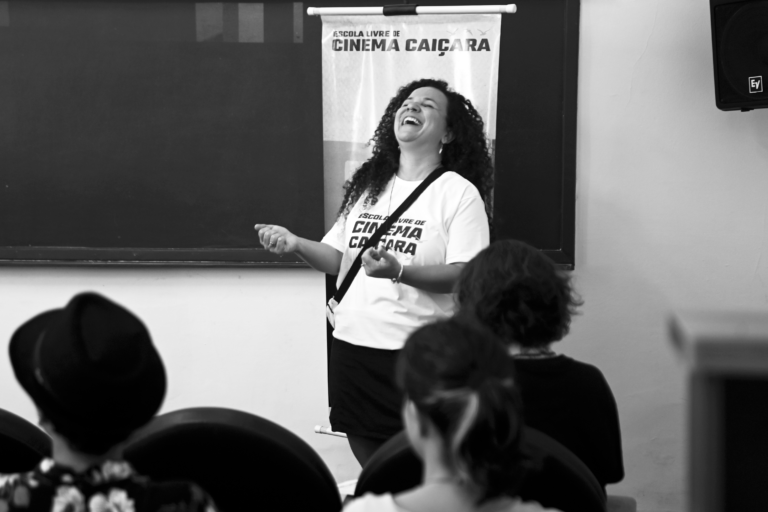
[242,338]
[672,213]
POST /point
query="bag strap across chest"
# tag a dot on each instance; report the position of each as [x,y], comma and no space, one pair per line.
[383,228]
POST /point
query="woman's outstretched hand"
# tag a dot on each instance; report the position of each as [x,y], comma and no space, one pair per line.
[380,263]
[276,239]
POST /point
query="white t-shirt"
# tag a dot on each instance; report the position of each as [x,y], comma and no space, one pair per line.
[447,224]
[386,503]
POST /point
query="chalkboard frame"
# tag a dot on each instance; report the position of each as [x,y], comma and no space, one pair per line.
[564,255]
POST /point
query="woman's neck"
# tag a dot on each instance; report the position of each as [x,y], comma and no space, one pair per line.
[440,489]
[415,167]
[532,352]
[63,454]
[435,470]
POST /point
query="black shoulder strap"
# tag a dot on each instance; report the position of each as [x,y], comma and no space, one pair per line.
[374,240]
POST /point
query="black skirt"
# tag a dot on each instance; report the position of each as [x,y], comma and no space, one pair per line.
[364,398]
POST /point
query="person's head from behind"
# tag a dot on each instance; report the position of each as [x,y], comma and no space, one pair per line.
[92,371]
[461,403]
[518,293]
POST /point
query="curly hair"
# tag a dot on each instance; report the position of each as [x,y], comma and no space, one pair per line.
[519,293]
[460,377]
[467,155]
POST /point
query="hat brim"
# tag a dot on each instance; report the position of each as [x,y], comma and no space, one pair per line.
[82,398]
[22,353]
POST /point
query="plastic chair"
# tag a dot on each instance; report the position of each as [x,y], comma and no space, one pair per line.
[245,462]
[22,444]
[562,481]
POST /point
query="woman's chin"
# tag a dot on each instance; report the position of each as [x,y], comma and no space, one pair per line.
[409,133]
[415,144]
[406,138]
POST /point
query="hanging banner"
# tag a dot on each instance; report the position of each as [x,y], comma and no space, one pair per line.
[366,59]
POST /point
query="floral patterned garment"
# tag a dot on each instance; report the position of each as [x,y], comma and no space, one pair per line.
[112,486]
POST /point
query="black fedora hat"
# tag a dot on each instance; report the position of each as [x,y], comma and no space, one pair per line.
[90,368]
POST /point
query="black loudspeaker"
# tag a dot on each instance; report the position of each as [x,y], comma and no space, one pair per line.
[740,51]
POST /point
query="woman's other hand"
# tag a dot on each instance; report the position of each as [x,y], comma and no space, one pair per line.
[380,263]
[276,239]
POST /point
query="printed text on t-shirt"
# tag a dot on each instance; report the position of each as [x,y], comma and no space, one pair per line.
[404,236]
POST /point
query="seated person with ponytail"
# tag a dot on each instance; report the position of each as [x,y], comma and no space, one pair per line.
[462,417]
[521,295]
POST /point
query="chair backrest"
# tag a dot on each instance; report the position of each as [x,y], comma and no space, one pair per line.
[245,462]
[393,468]
[22,444]
[562,481]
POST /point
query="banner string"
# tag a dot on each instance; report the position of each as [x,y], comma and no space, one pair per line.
[407,9]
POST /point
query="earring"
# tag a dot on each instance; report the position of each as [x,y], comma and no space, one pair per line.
[440,151]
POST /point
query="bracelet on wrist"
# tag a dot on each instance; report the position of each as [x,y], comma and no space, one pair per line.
[399,275]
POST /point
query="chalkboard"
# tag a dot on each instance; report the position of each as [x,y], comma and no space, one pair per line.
[145,132]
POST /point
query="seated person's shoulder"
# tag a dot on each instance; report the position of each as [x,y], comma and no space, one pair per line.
[178,496]
[585,371]
[372,503]
[16,490]
[530,506]
[9,482]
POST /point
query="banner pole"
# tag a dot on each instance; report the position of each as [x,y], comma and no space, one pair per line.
[411,9]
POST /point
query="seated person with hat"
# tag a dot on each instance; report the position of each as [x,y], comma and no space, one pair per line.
[95,376]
